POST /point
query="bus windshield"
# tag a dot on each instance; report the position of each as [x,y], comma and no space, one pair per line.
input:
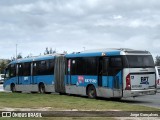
[139,61]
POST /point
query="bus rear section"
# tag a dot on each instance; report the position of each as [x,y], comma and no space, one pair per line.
[139,76]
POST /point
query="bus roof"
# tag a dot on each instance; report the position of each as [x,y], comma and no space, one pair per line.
[35,58]
[107,52]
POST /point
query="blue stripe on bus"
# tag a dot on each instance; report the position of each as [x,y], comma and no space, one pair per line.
[47,79]
[27,80]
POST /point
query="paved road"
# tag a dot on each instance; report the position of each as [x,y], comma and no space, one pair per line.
[150,100]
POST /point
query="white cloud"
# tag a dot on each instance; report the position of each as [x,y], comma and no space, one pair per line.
[23,8]
[136,23]
[73,24]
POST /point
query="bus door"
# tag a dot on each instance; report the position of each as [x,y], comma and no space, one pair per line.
[19,73]
[115,75]
[100,73]
[26,73]
[103,78]
[32,69]
[68,71]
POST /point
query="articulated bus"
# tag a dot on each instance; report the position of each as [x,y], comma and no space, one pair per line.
[31,74]
[109,73]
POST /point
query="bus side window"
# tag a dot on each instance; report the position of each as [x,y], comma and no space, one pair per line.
[44,67]
[7,73]
[84,66]
[91,65]
[115,65]
[51,66]
[20,70]
[12,71]
[116,62]
[34,68]
[105,66]
[26,69]
[73,67]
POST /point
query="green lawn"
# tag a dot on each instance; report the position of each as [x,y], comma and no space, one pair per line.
[54,102]
[64,102]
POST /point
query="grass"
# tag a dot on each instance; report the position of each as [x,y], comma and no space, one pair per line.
[64,102]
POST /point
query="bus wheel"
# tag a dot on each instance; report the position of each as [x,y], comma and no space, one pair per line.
[91,92]
[13,88]
[42,88]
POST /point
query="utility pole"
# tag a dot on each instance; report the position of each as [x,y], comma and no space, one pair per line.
[16,51]
[84,48]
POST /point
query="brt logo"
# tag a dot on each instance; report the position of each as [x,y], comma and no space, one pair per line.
[144,80]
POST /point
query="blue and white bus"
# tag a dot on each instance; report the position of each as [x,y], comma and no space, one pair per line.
[109,73]
[31,75]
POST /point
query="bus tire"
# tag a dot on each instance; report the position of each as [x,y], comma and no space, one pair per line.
[41,88]
[91,92]
[13,88]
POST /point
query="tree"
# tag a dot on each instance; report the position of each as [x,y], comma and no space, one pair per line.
[46,51]
[3,65]
[65,52]
[157,62]
[13,58]
[49,51]
[19,56]
[54,51]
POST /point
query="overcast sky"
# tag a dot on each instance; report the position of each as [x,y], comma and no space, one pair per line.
[71,25]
